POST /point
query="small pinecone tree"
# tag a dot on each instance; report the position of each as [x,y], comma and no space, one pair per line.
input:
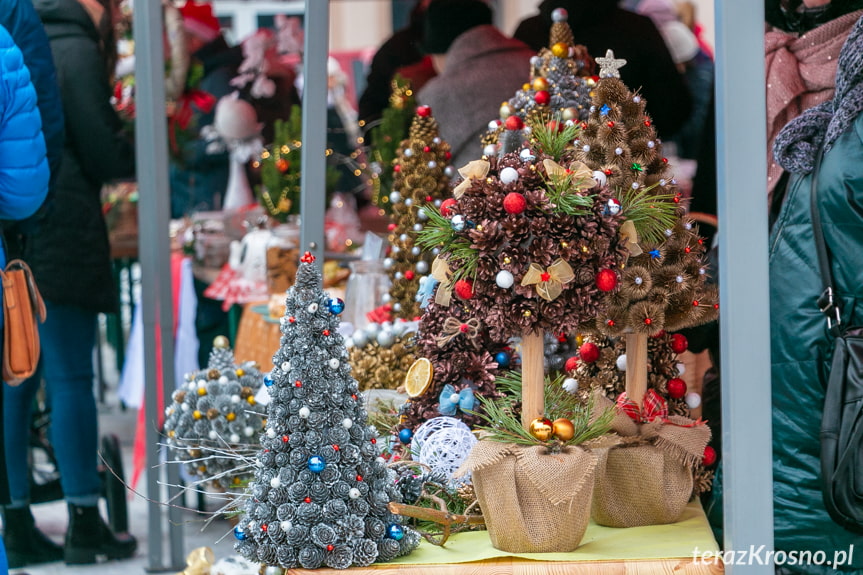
[386,135]
[466,361]
[320,493]
[215,413]
[420,180]
[381,360]
[663,286]
[559,87]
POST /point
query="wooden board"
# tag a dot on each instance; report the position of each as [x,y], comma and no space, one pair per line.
[518,566]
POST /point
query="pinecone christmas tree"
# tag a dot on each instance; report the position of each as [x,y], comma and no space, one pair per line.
[663,285]
[386,135]
[320,493]
[215,413]
[420,180]
[464,359]
[559,88]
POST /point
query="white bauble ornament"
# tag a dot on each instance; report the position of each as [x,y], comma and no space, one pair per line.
[334,363]
[248,431]
[313,307]
[386,338]
[224,379]
[347,423]
[620,362]
[235,438]
[508,175]
[693,400]
[422,267]
[570,384]
[600,177]
[354,493]
[681,368]
[489,150]
[304,412]
[235,399]
[504,279]
[271,433]
[395,197]
[388,263]
[213,434]
[275,482]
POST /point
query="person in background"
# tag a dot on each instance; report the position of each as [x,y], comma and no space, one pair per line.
[601,25]
[478,68]
[401,52]
[24,175]
[801,344]
[70,259]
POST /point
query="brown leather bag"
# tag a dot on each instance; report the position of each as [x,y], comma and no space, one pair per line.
[22,308]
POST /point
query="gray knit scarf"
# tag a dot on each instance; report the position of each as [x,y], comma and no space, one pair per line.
[797,144]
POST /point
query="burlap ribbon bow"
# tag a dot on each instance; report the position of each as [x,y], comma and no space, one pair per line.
[199,562]
[441,272]
[629,236]
[452,328]
[475,170]
[549,282]
[578,174]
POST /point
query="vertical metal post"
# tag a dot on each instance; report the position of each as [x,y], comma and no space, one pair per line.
[744,320]
[314,194]
[152,168]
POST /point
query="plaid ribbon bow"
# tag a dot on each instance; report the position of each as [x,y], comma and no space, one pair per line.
[653,407]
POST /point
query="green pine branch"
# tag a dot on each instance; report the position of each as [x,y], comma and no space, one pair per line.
[552,141]
[438,233]
[651,213]
[563,192]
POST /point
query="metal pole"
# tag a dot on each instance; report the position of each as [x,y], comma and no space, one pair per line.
[152,168]
[744,321]
[314,194]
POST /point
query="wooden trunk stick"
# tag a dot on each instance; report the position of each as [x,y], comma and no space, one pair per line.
[532,377]
[434,515]
[636,367]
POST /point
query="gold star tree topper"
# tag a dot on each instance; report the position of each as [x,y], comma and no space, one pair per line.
[609,67]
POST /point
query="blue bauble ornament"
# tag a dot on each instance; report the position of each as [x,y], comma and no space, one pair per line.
[502,359]
[336,305]
[239,533]
[405,435]
[269,381]
[316,463]
[395,531]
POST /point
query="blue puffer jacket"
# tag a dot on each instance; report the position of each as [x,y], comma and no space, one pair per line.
[23,167]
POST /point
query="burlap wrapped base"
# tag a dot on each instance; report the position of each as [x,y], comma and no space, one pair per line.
[533,501]
[646,479]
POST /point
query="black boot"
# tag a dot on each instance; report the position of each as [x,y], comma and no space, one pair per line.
[25,544]
[89,538]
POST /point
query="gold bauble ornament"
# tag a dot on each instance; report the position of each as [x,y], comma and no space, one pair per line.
[240,372]
[231,416]
[541,428]
[563,429]
[560,50]
[540,84]
[569,114]
[202,391]
[197,414]
[525,87]
[505,111]
[221,342]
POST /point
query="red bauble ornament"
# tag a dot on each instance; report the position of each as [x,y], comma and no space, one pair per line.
[514,203]
[679,344]
[330,547]
[709,457]
[391,227]
[606,280]
[424,111]
[427,149]
[445,207]
[571,364]
[397,168]
[409,275]
[588,352]
[514,123]
[555,126]
[542,98]
[282,165]
[464,289]
[676,388]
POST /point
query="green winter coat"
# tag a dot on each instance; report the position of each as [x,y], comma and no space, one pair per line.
[801,345]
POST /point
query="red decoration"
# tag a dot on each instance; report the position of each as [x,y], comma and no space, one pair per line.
[330,547]
[285,439]
[448,155]
[373,440]
[283,165]
[514,203]
[695,303]
[292,319]
[359,477]
[397,168]
[429,199]
[709,457]
[664,160]
[326,332]
[391,227]
[424,111]
[588,352]
[264,527]
[545,276]
[687,249]
[542,98]
[676,388]
[647,123]
[307,500]
[464,289]
[514,123]
[354,396]
[464,328]
[652,407]
[679,343]
[409,275]
[610,323]
[571,364]
[606,280]
[607,172]
[335,447]
[307,258]
[446,205]
[298,383]
[610,124]
[555,126]
[647,321]
[427,149]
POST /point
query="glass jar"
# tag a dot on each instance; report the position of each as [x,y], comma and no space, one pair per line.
[366,287]
[283,256]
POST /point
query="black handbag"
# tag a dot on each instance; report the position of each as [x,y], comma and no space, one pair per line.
[842,419]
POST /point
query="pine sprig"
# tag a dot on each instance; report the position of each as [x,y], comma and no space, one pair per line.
[438,233]
[651,213]
[564,192]
[552,141]
[503,425]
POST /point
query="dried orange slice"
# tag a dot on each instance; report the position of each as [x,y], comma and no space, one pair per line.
[419,377]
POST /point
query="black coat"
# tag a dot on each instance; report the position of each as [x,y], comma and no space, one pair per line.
[600,25]
[70,255]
